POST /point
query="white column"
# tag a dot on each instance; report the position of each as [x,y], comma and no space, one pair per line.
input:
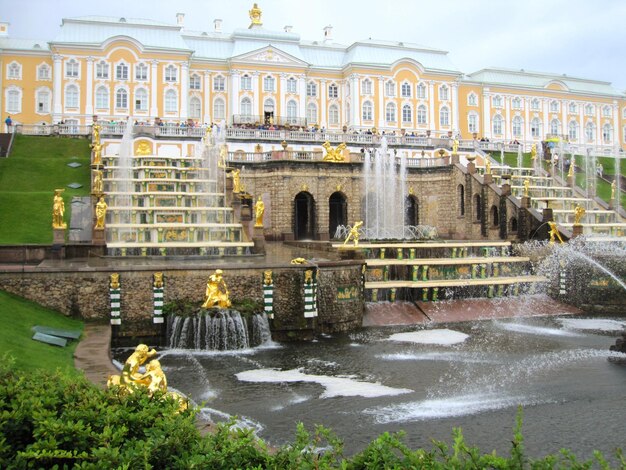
[581,123]
[455,107]
[234,96]
[57,72]
[507,114]
[208,109]
[255,96]
[302,95]
[431,106]
[154,88]
[564,123]
[355,102]
[323,113]
[527,135]
[282,97]
[487,114]
[89,89]
[598,124]
[381,102]
[184,91]
[546,117]
[616,129]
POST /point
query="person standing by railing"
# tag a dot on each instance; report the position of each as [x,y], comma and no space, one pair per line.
[9,123]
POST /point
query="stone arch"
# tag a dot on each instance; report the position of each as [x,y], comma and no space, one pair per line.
[513,224]
[478,207]
[337,212]
[304,216]
[411,214]
[461,196]
[494,216]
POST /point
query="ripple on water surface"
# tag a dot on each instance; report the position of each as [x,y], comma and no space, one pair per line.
[599,324]
[443,337]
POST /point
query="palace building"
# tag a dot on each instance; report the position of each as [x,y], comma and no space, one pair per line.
[118,67]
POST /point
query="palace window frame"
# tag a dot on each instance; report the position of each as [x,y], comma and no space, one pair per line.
[219,84]
[121,98]
[292,112]
[590,132]
[516,103]
[333,91]
[170,101]
[219,108]
[102,70]
[141,72]
[607,133]
[292,85]
[245,106]
[498,125]
[366,86]
[121,72]
[405,90]
[195,82]
[367,111]
[555,106]
[444,116]
[422,91]
[517,126]
[572,130]
[14,71]
[390,88]
[422,115]
[333,115]
[497,101]
[246,82]
[535,127]
[590,110]
[102,97]
[472,122]
[141,99]
[606,111]
[43,98]
[311,114]
[170,74]
[535,104]
[407,114]
[43,72]
[72,68]
[269,84]
[195,107]
[390,112]
[472,99]
[444,93]
[72,96]
[311,89]
[555,127]
[572,107]
[13,100]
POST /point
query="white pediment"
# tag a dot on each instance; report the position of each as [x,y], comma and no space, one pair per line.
[269,54]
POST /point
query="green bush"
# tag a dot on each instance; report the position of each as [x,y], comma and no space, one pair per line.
[57,420]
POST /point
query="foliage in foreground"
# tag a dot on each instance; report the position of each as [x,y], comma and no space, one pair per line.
[54,420]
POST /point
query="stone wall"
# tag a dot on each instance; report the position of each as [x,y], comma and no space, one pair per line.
[86,294]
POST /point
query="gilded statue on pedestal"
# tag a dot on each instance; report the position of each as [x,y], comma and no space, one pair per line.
[158,280]
[216,292]
[95,131]
[334,155]
[259,211]
[455,147]
[98,182]
[487,166]
[267,278]
[234,174]
[572,169]
[97,153]
[613,188]
[554,233]
[101,212]
[526,187]
[255,15]
[58,210]
[533,152]
[579,211]
[354,233]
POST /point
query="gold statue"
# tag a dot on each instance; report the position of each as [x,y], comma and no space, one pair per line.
[533,152]
[114,281]
[234,174]
[58,210]
[526,187]
[572,169]
[298,261]
[554,233]
[98,182]
[335,155]
[579,211]
[101,212]
[613,188]
[455,146]
[487,165]
[95,132]
[267,278]
[259,211]
[143,148]
[223,156]
[158,280]
[216,292]
[354,233]
[97,153]
[255,15]
[308,276]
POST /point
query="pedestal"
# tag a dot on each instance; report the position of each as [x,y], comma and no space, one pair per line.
[547,215]
[471,168]
[570,181]
[258,237]
[525,202]
[506,189]
[98,236]
[455,158]
[58,236]
[577,230]
[488,178]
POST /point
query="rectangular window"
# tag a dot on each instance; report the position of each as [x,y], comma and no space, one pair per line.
[246,82]
[141,72]
[102,70]
[219,84]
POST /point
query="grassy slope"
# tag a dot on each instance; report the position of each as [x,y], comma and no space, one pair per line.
[18,316]
[36,167]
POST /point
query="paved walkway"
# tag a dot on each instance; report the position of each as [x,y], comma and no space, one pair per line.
[93,354]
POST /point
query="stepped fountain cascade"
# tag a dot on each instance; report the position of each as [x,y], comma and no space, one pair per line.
[172,205]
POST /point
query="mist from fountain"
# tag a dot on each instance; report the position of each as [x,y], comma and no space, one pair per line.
[618,180]
[384,190]
[123,198]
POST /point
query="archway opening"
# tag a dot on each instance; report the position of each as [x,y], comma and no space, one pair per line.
[337,212]
[411,216]
[304,216]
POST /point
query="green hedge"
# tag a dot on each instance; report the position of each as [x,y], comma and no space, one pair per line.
[54,420]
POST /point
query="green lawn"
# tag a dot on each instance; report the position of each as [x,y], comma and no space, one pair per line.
[18,316]
[28,178]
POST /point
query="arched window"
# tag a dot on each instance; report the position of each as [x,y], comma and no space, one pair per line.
[516,126]
[554,106]
[591,109]
[407,113]
[333,115]
[141,99]
[444,92]
[572,130]
[390,88]
[195,108]
[535,128]
[195,82]
[495,219]
[71,68]
[102,97]
[171,74]
[43,72]
[219,109]
[71,96]
[141,72]
[461,196]
[478,207]
[555,127]
[590,132]
[513,224]
[422,114]
[14,100]
[472,99]
[292,85]
[366,87]
[311,89]
[219,83]
[497,124]
[269,83]
[572,108]
[311,114]
[246,82]
[496,101]
[405,90]
[333,91]
[367,111]
[292,112]
[535,105]
[472,123]
[606,111]
[421,91]
[444,116]
[171,101]
[516,103]
[43,101]
[102,70]
[607,133]
[390,112]
[246,106]
[121,98]
[121,71]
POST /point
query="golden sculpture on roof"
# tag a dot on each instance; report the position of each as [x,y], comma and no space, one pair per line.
[334,155]
[255,15]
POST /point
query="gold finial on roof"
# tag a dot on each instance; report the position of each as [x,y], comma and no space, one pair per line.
[255,16]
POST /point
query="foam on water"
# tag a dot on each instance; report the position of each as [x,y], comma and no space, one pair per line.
[292,401]
[534,330]
[333,386]
[443,337]
[438,356]
[600,324]
[460,405]
[241,422]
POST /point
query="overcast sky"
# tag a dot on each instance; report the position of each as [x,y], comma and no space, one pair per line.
[581,38]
